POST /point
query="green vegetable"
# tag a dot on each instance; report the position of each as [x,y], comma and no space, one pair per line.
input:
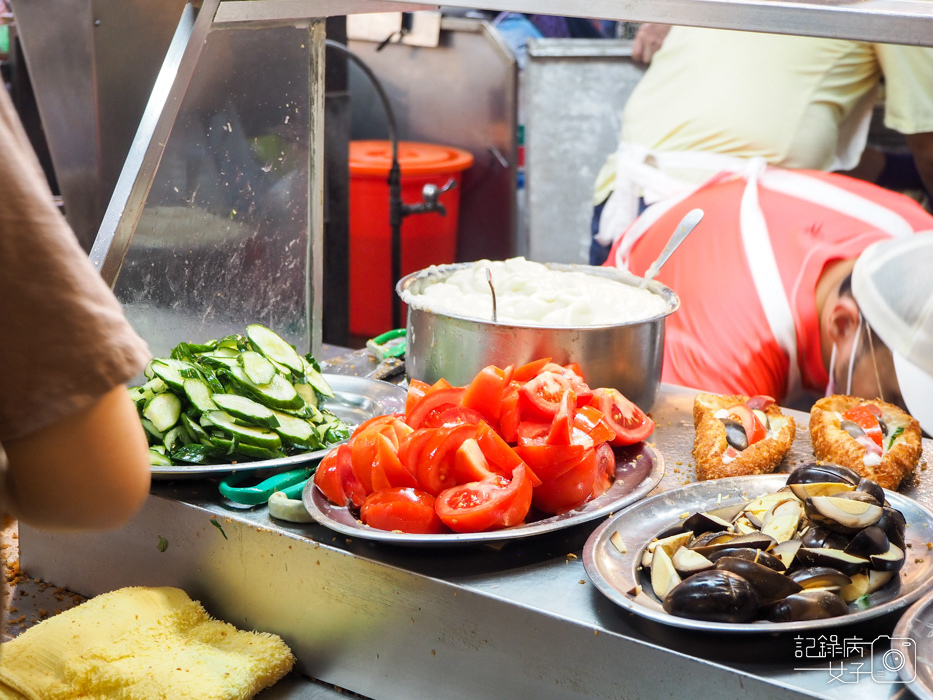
[163,544]
[894,436]
[239,398]
[219,527]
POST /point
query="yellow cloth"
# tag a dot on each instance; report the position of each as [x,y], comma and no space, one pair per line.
[140,644]
[778,97]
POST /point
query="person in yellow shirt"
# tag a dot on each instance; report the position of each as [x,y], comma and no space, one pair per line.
[713,100]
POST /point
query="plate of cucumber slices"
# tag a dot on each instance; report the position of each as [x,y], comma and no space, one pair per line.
[249,402]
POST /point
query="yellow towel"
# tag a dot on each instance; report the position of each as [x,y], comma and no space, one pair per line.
[140,644]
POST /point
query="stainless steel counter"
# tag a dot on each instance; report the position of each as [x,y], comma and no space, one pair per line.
[520,620]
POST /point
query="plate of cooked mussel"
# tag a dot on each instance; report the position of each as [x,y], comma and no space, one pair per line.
[819,547]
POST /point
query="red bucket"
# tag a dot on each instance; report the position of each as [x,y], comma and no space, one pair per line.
[426,239]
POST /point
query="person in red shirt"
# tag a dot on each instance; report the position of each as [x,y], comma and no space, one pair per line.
[764,283]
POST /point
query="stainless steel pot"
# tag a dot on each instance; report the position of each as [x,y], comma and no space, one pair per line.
[625,356]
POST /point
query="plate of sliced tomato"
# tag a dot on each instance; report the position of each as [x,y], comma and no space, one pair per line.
[517,452]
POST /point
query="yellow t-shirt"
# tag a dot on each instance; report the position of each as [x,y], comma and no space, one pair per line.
[779,97]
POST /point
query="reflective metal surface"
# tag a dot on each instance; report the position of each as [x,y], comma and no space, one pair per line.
[625,356]
[913,636]
[638,470]
[574,91]
[617,573]
[355,400]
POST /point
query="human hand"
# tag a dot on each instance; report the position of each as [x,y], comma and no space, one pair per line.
[648,40]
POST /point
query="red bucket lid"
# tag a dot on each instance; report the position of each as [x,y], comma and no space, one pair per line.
[375,158]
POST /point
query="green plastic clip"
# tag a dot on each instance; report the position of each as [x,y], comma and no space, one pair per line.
[389,344]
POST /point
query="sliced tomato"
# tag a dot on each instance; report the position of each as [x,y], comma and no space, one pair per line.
[754,429]
[510,413]
[571,489]
[411,448]
[605,470]
[591,422]
[628,421]
[362,455]
[864,418]
[388,470]
[374,422]
[455,415]
[531,432]
[489,504]
[548,462]
[404,510]
[573,374]
[335,479]
[529,370]
[435,401]
[416,390]
[484,394]
[501,455]
[470,464]
[436,463]
[759,402]
[541,396]
[561,431]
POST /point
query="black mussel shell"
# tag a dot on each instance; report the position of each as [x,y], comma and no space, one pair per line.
[833,558]
[735,434]
[814,604]
[894,524]
[874,490]
[700,523]
[867,541]
[714,596]
[816,537]
[820,577]
[769,584]
[818,473]
[755,555]
[845,512]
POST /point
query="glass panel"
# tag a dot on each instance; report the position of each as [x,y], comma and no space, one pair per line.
[224,238]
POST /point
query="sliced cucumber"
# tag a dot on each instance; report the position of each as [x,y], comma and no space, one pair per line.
[257,368]
[263,437]
[174,372]
[251,411]
[307,392]
[152,432]
[197,433]
[199,394]
[296,432]
[247,450]
[197,454]
[157,459]
[316,380]
[274,347]
[177,437]
[224,351]
[163,410]
[279,393]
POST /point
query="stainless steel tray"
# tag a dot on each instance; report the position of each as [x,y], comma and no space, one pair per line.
[616,573]
[913,638]
[639,469]
[355,400]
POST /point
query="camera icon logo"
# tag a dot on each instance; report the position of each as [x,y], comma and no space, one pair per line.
[893,659]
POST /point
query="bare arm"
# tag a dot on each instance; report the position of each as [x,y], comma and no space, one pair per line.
[648,40]
[89,471]
[921,146]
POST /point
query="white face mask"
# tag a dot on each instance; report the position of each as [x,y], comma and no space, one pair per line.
[831,387]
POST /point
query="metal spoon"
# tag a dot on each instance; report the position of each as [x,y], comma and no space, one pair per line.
[686,225]
[492,290]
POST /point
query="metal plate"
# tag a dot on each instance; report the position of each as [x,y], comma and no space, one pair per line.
[615,573]
[355,400]
[639,469]
[914,629]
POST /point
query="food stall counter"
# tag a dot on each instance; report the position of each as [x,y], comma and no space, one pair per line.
[513,618]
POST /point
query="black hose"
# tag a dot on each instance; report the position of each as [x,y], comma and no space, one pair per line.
[394,179]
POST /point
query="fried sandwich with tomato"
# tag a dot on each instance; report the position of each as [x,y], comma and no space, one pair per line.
[876,439]
[514,442]
[739,435]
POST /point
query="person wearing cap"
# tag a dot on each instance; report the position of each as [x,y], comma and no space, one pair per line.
[764,282]
[892,285]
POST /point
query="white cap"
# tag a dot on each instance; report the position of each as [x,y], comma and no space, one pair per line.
[893,285]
